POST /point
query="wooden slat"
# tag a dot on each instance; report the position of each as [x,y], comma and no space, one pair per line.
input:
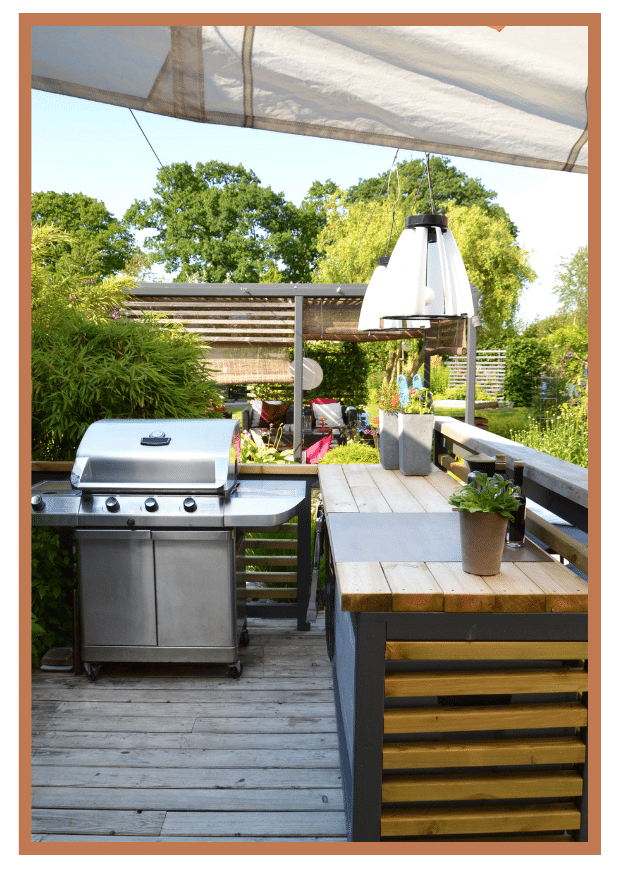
[275,594]
[335,489]
[538,838]
[267,560]
[499,682]
[572,650]
[469,754]
[479,820]
[408,720]
[424,490]
[559,541]
[187,799]
[565,592]
[413,587]
[464,593]
[266,543]
[514,592]
[266,577]
[363,587]
[369,499]
[399,498]
[474,787]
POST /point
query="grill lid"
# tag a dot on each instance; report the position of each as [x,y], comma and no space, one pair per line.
[166,455]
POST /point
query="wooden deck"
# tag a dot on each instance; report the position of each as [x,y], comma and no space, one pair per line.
[152,753]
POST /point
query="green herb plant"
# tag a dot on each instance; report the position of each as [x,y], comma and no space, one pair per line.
[487,494]
[254,450]
[420,402]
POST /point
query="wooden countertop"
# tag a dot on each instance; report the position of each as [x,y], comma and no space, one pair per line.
[433,586]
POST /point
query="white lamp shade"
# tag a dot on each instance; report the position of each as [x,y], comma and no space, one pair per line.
[406,273]
[426,278]
[373,301]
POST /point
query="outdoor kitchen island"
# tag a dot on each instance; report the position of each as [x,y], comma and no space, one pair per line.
[461,700]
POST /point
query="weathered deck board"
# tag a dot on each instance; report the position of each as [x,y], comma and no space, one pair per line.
[183,753]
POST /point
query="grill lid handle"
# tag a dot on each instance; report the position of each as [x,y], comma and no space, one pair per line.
[155,440]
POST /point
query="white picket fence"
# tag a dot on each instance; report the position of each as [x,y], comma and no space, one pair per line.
[489,371]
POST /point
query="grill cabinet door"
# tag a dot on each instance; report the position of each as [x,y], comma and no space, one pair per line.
[117,588]
[196,592]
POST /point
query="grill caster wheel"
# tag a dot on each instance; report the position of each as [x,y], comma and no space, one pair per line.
[244,638]
[92,671]
[235,671]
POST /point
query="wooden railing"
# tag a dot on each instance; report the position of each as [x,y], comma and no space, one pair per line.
[558,486]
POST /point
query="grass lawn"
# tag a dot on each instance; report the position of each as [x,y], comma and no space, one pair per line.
[499,421]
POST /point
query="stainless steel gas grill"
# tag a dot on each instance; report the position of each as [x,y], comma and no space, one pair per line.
[159,511]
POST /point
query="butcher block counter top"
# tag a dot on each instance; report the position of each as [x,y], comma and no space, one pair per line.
[396,548]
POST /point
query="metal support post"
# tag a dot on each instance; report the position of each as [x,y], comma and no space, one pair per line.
[297,428]
[471,360]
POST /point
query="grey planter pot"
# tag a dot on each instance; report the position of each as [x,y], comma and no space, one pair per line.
[482,538]
[388,439]
[415,443]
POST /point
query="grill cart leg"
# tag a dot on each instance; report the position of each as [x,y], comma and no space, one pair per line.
[235,670]
[92,671]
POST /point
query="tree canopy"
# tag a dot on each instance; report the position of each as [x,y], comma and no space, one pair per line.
[450,186]
[216,222]
[572,287]
[98,245]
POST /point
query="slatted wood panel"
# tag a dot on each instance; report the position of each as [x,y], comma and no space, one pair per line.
[163,753]
[265,321]
[489,370]
[261,573]
[459,762]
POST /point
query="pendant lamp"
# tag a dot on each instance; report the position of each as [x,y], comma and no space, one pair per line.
[369,317]
[426,276]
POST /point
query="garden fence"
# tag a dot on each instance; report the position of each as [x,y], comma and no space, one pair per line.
[489,371]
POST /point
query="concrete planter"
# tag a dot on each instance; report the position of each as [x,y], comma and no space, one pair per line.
[388,440]
[415,432]
[482,538]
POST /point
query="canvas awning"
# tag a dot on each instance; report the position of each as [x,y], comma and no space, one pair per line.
[509,94]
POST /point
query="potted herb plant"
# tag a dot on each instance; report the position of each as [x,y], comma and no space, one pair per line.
[485,507]
[388,439]
[415,431]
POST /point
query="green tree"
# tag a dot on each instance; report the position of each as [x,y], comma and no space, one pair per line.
[98,246]
[90,362]
[527,358]
[216,222]
[449,186]
[572,287]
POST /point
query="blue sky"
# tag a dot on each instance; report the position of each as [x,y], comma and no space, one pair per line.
[79,145]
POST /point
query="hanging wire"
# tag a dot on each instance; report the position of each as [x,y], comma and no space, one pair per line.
[429,181]
[153,151]
[378,196]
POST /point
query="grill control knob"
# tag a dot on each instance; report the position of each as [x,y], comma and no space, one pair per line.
[151,505]
[37,502]
[112,505]
[190,505]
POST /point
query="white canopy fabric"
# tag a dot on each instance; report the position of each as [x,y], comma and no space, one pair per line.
[515,95]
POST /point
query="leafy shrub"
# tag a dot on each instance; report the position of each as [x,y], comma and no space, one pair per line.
[83,370]
[351,453]
[565,436]
[53,579]
[527,358]
[439,378]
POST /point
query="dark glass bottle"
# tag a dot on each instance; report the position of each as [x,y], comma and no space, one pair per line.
[500,465]
[516,529]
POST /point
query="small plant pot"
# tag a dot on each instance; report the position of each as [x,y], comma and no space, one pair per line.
[415,443]
[482,537]
[388,441]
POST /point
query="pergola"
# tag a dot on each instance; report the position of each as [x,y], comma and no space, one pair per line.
[250,328]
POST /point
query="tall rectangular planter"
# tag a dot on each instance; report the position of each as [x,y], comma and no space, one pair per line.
[388,439]
[415,443]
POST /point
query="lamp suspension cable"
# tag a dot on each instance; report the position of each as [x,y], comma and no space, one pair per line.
[378,196]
